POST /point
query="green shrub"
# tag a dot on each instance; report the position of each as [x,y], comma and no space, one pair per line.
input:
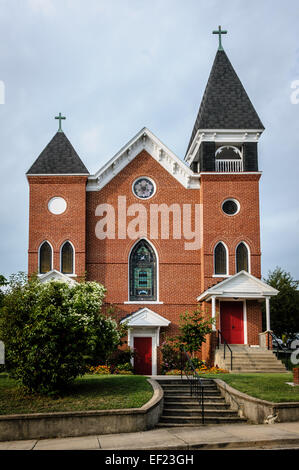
[52,331]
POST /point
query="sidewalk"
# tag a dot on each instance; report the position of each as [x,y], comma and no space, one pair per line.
[228,436]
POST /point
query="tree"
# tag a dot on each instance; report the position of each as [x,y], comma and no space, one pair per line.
[284,308]
[193,330]
[52,331]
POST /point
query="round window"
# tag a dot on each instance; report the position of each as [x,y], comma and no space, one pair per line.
[144,187]
[57,205]
[230,207]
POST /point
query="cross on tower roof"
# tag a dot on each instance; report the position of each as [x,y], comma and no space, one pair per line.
[219,32]
[60,117]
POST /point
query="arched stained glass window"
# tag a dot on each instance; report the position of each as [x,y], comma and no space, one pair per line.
[220,259]
[242,261]
[142,269]
[67,258]
[45,258]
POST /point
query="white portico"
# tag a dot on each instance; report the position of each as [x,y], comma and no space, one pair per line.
[144,337]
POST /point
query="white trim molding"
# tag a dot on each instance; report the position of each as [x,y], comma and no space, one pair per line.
[221,136]
[144,140]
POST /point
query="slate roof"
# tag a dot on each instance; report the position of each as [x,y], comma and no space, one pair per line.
[225,103]
[59,157]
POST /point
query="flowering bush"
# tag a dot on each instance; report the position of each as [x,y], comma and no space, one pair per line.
[202,370]
[99,370]
[53,330]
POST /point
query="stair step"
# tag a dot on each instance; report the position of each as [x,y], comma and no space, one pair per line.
[191,406]
[195,421]
[197,413]
[184,398]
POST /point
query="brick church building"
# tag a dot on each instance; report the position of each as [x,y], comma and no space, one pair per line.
[162,234]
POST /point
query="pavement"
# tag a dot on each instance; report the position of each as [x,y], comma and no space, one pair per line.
[211,437]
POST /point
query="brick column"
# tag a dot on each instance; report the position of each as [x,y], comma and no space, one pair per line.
[296,375]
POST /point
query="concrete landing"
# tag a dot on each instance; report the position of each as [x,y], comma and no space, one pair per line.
[219,437]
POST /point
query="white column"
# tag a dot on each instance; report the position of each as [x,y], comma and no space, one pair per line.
[214,311]
[267,313]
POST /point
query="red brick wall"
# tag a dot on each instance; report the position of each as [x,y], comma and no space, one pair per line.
[183,274]
[57,228]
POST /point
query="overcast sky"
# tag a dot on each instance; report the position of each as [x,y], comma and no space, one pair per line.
[114,66]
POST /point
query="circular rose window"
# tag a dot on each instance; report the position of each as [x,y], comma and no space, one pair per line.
[57,205]
[144,187]
[230,207]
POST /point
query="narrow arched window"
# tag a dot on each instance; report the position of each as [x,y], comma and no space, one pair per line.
[67,258]
[242,258]
[142,271]
[45,258]
[220,259]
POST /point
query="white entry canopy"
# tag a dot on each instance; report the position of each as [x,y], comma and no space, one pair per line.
[145,318]
[56,276]
[241,285]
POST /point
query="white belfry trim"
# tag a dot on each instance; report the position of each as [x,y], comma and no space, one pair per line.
[144,140]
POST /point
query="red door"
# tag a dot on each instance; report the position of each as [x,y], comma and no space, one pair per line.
[231,318]
[143,355]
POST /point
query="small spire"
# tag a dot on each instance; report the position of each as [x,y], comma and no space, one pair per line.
[60,117]
[219,32]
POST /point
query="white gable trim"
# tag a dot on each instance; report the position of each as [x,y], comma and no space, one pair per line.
[144,140]
[221,136]
[254,288]
[145,317]
[55,275]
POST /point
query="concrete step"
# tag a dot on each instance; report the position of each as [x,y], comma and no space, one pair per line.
[197,421]
[177,394]
[196,412]
[258,371]
[191,405]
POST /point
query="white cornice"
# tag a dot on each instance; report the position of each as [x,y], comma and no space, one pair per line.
[144,140]
[221,136]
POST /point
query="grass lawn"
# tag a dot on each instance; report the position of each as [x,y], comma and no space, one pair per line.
[270,387]
[90,392]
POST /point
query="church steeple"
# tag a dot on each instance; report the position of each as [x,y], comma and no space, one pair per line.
[225,106]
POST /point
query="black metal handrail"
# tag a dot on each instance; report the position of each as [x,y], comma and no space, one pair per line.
[275,339]
[195,382]
[225,345]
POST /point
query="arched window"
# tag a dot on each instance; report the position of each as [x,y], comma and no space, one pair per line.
[220,259]
[67,258]
[242,258]
[45,258]
[142,271]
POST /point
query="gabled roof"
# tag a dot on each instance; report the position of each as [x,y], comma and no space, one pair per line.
[145,318]
[225,103]
[240,285]
[144,140]
[55,275]
[59,157]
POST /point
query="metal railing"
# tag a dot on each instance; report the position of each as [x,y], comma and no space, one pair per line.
[194,380]
[229,166]
[226,345]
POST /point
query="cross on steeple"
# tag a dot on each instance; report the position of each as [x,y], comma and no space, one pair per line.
[219,32]
[60,117]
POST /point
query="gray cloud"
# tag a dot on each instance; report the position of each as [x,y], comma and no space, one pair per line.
[113,67]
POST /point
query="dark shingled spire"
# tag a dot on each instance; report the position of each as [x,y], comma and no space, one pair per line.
[225,103]
[59,157]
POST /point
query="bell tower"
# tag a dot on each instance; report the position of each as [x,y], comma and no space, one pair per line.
[57,212]
[223,149]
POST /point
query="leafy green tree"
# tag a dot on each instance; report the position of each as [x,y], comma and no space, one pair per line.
[284,308]
[52,331]
[3,282]
[193,330]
